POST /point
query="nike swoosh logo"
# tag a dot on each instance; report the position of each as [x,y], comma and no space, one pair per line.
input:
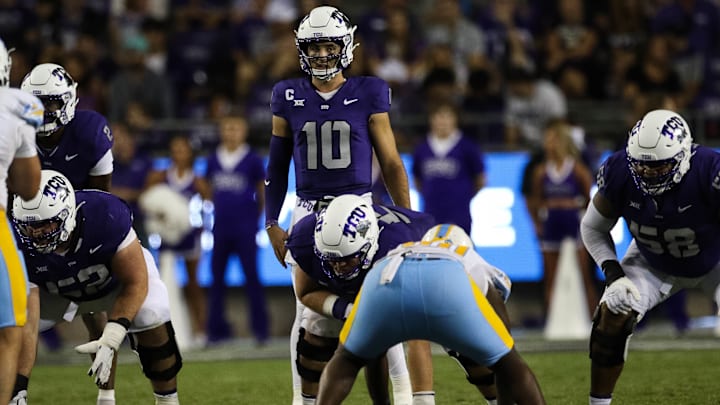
[70,157]
[685,208]
[267,183]
[95,249]
[348,102]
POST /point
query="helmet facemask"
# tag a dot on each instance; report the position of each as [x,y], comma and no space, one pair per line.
[58,93]
[325,25]
[346,237]
[659,151]
[48,219]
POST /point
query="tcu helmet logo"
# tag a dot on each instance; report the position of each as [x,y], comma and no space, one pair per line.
[674,128]
[356,223]
[57,189]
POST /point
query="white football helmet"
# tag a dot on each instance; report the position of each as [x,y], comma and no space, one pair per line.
[448,233]
[346,236]
[659,151]
[5,65]
[58,92]
[48,219]
[325,24]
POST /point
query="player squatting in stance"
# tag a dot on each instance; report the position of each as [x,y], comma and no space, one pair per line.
[667,189]
[20,115]
[78,144]
[329,126]
[328,278]
[438,289]
[83,256]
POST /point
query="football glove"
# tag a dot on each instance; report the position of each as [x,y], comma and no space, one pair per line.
[620,296]
[104,350]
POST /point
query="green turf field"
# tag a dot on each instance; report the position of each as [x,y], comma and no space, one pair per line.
[650,377]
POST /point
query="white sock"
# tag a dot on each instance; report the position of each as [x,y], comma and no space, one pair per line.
[399,375]
[600,401]
[166,399]
[308,399]
[491,401]
[106,397]
[294,335]
[423,398]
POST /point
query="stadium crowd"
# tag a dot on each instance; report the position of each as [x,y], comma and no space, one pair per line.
[165,66]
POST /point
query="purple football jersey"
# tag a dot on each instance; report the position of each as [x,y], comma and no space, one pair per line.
[677,231]
[234,192]
[83,273]
[397,225]
[85,140]
[448,182]
[332,147]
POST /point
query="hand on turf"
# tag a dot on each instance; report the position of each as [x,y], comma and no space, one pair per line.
[104,350]
[621,295]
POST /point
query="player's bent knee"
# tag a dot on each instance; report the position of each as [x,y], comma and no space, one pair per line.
[312,356]
[473,371]
[609,337]
[159,363]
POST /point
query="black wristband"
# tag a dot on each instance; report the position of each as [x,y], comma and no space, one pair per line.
[122,321]
[612,271]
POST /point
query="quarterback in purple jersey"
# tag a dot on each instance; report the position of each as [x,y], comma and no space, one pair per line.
[667,189]
[448,169]
[329,126]
[82,254]
[326,287]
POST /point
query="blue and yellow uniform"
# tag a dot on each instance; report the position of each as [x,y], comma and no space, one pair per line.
[427,291]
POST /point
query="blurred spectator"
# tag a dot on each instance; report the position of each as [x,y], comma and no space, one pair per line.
[445,25]
[448,169]
[15,18]
[156,33]
[80,17]
[180,176]
[131,168]
[700,17]
[560,189]
[483,108]
[198,62]
[236,175]
[627,32]
[136,84]
[396,54]
[653,73]
[530,104]
[570,51]
[508,34]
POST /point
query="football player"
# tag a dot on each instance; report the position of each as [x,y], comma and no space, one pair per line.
[83,255]
[77,143]
[20,115]
[437,289]
[333,251]
[667,189]
[330,126]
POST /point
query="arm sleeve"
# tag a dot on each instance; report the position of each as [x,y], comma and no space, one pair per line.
[276,184]
[595,231]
